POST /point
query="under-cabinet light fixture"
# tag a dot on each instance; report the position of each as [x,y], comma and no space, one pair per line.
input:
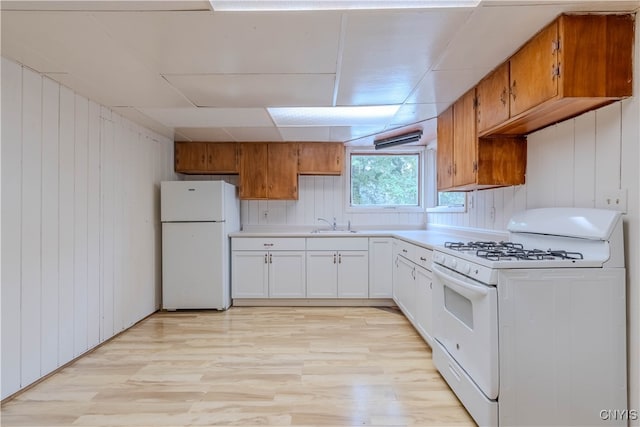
[404,138]
[298,5]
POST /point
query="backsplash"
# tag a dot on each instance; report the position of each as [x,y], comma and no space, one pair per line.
[319,197]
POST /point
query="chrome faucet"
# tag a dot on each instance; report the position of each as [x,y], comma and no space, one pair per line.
[333,226]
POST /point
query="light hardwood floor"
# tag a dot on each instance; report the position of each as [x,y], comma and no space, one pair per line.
[310,366]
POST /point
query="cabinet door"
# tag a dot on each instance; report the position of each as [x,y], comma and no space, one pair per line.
[250,276]
[445,149]
[253,170]
[287,274]
[532,78]
[320,158]
[406,287]
[322,276]
[353,274]
[222,157]
[423,307]
[396,270]
[380,268]
[464,140]
[282,171]
[493,98]
[190,157]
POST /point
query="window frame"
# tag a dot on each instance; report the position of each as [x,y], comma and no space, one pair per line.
[408,150]
[432,186]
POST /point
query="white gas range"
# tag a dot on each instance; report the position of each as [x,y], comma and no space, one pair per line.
[533,331]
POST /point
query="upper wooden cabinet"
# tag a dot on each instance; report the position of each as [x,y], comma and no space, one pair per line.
[206,157]
[465,140]
[268,170]
[575,64]
[467,162]
[493,98]
[445,150]
[320,158]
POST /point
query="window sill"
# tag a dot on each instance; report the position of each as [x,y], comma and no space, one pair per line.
[447,209]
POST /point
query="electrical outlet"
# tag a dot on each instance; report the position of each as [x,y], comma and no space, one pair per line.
[613,199]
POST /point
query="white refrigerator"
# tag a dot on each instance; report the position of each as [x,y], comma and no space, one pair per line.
[197,217]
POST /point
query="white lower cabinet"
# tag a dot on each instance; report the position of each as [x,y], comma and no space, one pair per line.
[406,287]
[287,274]
[276,271]
[412,286]
[322,279]
[338,267]
[380,267]
[249,274]
[423,307]
[337,274]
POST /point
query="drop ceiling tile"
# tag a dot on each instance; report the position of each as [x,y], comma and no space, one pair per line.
[255,90]
[412,113]
[348,133]
[135,116]
[209,117]
[386,54]
[202,134]
[95,66]
[444,87]
[206,42]
[251,134]
[492,34]
[96,5]
[305,133]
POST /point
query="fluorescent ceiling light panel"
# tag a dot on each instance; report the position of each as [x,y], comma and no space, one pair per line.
[332,116]
[291,5]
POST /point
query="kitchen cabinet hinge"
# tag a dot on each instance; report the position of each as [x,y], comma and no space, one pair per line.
[555,46]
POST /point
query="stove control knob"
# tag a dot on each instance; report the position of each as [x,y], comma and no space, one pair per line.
[454,263]
[466,268]
[438,258]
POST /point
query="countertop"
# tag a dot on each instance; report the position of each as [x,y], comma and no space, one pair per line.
[425,238]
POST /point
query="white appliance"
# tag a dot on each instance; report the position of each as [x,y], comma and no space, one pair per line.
[197,217]
[532,332]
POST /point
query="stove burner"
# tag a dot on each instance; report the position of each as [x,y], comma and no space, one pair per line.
[496,251]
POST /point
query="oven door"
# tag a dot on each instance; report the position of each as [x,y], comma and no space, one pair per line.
[466,325]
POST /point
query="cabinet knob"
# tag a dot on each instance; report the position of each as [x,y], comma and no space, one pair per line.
[512,90]
[503,96]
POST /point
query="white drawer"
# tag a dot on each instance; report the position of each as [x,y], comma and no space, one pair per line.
[405,249]
[337,243]
[423,257]
[266,244]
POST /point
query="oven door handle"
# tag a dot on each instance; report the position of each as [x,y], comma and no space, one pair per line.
[463,288]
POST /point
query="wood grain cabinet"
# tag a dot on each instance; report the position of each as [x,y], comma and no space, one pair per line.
[575,64]
[320,158]
[206,157]
[268,170]
[466,162]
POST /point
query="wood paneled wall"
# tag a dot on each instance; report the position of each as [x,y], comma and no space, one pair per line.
[80,224]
